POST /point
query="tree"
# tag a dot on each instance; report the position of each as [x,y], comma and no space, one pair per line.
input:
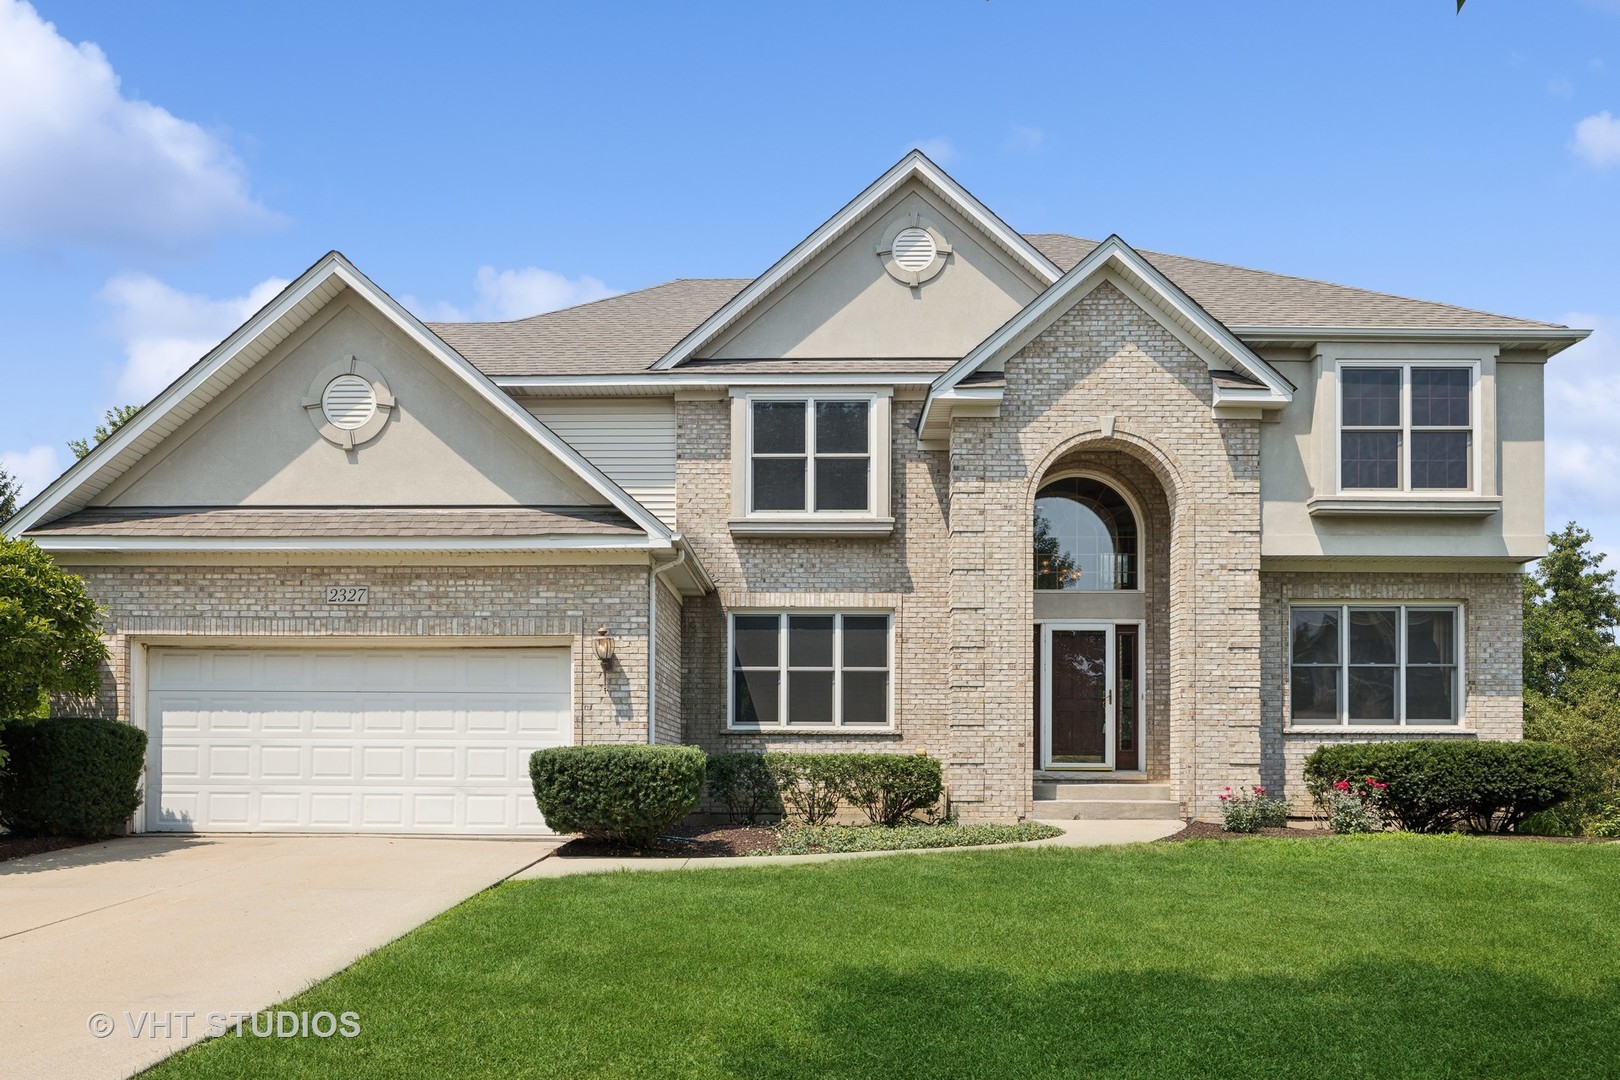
[10,489]
[1570,612]
[115,418]
[50,631]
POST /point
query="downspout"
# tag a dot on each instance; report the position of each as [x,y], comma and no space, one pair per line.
[652,637]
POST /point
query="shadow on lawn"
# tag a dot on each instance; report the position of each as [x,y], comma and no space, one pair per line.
[1365,1020]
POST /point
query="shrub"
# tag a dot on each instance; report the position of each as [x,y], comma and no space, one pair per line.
[1436,786]
[892,788]
[623,793]
[1351,806]
[70,776]
[810,784]
[1251,811]
[743,785]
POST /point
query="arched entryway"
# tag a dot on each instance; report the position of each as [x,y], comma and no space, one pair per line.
[1100,528]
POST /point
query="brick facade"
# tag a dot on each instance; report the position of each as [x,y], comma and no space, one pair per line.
[1493,627]
[472,602]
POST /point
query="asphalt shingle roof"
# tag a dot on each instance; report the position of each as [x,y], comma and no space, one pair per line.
[627,334]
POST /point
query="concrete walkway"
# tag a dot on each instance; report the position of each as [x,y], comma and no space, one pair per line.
[152,927]
[1075,834]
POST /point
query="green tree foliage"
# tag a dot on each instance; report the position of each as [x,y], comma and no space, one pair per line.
[114,419]
[1570,612]
[10,489]
[1572,673]
[50,631]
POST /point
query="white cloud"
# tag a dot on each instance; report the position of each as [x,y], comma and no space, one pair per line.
[1583,444]
[82,164]
[1026,139]
[33,468]
[513,294]
[939,150]
[1597,139]
[164,331]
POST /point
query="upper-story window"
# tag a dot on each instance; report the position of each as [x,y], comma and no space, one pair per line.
[810,455]
[1406,427]
[1085,537]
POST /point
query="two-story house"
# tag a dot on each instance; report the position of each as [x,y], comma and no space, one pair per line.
[1052,510]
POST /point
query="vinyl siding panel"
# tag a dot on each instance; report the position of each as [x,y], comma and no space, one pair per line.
[632,440]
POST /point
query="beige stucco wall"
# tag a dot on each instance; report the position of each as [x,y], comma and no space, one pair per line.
[845,304]
[1298,458]
[255,446]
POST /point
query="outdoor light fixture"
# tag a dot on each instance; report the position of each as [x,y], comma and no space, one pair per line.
[604,646]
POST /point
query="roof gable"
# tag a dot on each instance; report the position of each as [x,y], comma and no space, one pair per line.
[1115,261]
[99,475]
[915,167]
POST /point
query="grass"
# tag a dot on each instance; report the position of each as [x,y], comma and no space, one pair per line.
[1392,955]
[803,839]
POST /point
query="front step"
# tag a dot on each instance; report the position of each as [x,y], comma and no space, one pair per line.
[1093,801]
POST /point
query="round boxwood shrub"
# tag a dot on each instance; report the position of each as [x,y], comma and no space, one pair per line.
[743,785]
[1436,786]
[70,776]
[627,794]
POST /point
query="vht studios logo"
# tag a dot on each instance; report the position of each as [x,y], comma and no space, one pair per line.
[268,1024]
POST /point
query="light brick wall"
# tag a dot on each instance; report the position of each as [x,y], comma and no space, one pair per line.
[1103,363]
[668,637]
[468,601]
[1493,629]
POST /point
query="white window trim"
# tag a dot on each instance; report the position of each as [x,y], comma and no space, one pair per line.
[1343,725]
[782,725]
[1406,490]
[1141,532]
[875,521]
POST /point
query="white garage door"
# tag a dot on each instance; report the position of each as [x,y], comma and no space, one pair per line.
[352,740]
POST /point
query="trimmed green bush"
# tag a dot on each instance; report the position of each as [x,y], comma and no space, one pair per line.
[891,788]
[624,793]
[1437,786]
[810,785]
[742,784]
[70,776]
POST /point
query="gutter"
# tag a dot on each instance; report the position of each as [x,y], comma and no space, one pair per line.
[652,637]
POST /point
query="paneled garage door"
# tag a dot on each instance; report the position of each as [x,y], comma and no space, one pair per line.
[352,740]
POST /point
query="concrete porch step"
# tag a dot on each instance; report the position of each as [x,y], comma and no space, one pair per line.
[1106,810]
[1089,790]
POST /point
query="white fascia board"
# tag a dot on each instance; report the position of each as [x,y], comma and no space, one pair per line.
[981,399]
[332,266]
[49,542]
[1553,339]
[914,164]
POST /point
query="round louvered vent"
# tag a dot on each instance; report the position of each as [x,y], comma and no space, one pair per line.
[913,249]
[348,402]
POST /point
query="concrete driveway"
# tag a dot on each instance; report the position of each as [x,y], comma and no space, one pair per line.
[143,929]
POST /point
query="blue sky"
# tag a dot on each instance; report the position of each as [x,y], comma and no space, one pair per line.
[164,167]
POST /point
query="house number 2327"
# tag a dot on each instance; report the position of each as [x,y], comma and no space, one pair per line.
[347,594]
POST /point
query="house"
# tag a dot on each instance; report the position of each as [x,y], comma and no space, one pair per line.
[1056,511]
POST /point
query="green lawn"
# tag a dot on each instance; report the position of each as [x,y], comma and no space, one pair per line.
[1384,956]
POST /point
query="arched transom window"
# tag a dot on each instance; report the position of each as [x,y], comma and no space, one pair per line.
[1085,537]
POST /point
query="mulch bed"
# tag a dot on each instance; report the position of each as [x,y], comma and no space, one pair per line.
[1204,830]
[15,847]
[683,842]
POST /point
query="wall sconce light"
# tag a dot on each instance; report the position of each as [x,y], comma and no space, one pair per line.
[604,646]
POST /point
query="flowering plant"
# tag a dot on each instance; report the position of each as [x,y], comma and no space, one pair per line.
[1352,806]
[1251,811]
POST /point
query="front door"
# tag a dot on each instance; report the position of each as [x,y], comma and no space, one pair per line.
[1077,695]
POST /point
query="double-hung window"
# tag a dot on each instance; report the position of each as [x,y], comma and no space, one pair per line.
[1374,665]
[810,669]
[810,455]
[1406,427]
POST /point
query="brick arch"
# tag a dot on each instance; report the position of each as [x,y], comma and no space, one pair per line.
[1143,450]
